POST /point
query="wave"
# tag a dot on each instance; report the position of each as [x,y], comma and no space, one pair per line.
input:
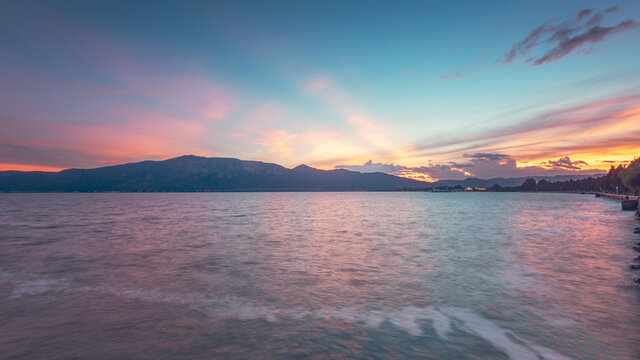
[23,286]
[407,318]
[502,338]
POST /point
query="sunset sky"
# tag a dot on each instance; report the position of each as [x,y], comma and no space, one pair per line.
[429,89]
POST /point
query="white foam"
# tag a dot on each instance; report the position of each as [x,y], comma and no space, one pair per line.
[406,321]
[22,286]
[231,307]
[555,320]
[501,338]
[547,353]
[406,318]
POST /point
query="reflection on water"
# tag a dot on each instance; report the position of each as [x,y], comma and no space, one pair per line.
[290,275]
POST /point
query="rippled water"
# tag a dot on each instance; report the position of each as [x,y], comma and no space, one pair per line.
[317,275]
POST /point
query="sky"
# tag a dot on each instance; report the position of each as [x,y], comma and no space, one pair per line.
[424,89]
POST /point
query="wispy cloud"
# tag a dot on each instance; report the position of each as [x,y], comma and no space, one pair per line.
[606,123]
[555,39]
[452,76]
[612,9]
[593,35]
[76,123]
[277,141]
[486,156]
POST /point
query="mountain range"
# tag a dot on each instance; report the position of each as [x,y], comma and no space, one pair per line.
[504,182]
[194,173]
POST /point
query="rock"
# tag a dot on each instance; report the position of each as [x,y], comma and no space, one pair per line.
[635,266]
[629,205]
[636,230]
[636,248]
[636,259]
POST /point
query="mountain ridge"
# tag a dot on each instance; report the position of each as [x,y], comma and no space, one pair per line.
[196,173]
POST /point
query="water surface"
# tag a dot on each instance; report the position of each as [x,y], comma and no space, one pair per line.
[317,275]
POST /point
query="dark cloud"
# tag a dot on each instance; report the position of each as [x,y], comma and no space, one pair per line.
[595,20]
[561,38]
[486,166]
[565,163]
[593,35]
[612,9]
[485,156]
[480,165]
[583,13]
[523,47]
[615,161]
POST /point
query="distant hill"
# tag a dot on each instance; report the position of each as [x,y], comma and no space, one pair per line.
[194,173]
[517,181]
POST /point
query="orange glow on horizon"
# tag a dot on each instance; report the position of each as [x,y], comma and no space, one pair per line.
[410,174]
[27,167]
[597,158]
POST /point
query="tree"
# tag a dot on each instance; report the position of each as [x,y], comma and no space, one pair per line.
[495,187]
[544,185]
[529,185]
[631,175]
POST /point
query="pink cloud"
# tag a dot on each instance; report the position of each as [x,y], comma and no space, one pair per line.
[318,83]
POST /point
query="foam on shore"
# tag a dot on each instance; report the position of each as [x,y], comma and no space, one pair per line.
[406,319]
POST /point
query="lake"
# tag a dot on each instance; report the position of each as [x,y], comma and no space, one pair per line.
[317,275]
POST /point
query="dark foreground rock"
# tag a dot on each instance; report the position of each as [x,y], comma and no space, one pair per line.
[630,205]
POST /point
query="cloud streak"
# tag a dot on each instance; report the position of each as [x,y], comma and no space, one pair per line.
[554,40]
[453,76]
[593,35]
[480,165]
[600,124]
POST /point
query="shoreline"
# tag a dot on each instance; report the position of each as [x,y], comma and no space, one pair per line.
[616,196]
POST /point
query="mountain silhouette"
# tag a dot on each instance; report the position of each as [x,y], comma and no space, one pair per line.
[195,173]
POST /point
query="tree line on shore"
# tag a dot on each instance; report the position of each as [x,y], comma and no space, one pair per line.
[620,179]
